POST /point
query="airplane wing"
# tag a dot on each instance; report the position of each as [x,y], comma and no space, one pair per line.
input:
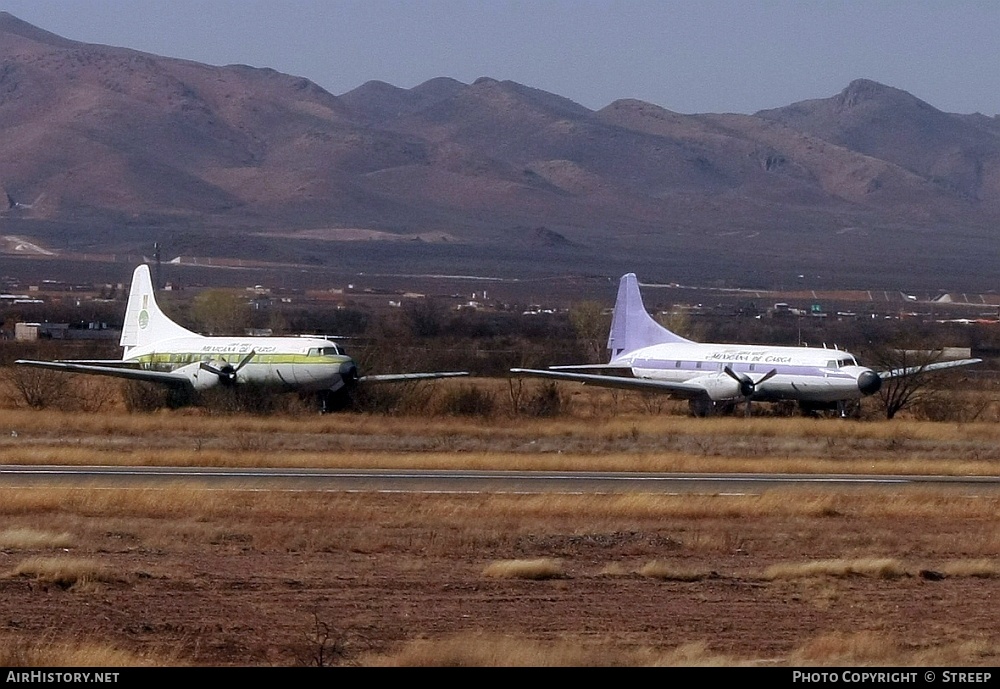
[99,362]
[401,377]
[682,390]
[911,370]
[174,379]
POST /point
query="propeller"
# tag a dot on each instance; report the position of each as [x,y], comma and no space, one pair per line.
[748,386]
[227,373]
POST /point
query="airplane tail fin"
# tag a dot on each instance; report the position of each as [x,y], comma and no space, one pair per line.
[144,322]
[631,325]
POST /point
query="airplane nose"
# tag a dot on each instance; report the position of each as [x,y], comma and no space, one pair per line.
[869,383]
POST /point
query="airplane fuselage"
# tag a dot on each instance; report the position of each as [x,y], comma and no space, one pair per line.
[159,351]
[801,373]
[300,363]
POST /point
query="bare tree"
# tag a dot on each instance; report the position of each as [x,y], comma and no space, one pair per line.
[591,325]
[905,378]
[39,388]
[36,388]
[220,311]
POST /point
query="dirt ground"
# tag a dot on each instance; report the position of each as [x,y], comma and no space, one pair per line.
[201,577]
[234,594]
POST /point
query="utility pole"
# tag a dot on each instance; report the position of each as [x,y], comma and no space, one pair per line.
[157,271]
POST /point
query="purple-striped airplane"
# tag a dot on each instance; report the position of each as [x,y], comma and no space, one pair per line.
[715,378]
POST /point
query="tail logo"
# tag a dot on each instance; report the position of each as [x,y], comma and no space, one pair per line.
[143,319]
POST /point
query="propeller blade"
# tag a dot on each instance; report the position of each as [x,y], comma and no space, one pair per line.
[246,360]
[747,384]
[732,374]
[770,374]
[205,366]
[228,372]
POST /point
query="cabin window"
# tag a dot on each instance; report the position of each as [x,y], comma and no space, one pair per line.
[751,367]
[833,364]
[677,364]
[698,365]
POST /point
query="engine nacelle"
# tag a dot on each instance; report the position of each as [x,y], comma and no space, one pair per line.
[199,377]
[719,386]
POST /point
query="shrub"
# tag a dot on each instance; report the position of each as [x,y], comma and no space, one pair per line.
[468,400]
[547,402]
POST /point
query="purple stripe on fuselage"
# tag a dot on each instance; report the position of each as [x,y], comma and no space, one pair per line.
[709,367]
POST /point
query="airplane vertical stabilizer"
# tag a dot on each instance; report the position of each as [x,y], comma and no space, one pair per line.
[144,322]
[631,325]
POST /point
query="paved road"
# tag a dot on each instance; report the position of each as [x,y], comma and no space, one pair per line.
[463,481]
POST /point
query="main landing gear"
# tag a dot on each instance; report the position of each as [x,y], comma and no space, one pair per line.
[707,407]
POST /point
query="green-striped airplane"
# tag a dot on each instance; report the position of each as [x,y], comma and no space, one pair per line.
[158,350]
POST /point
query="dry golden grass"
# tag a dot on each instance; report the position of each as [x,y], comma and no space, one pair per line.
[541,568]
[971,568]
[669,571]
[830,649]
[875,567]
[880,648]
[969,652]
[312,546]
[33,539]
[477,649]
[414,531]
[632,443]
[19,652]
[616,569]
[482,650]
[174,500]
[840,648]
[196,421]
[66,572]
[493,512]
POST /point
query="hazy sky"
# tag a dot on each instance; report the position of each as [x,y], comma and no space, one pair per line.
[691,56]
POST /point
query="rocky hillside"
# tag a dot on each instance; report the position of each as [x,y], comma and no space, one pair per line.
[106,149]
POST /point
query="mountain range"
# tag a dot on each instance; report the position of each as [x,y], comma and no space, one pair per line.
[106,150]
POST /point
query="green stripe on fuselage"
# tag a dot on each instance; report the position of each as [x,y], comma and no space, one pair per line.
[169,361]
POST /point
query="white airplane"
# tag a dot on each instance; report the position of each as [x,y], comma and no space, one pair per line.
[715,378]
[158,350]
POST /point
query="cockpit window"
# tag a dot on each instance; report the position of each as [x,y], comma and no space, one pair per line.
[330,350]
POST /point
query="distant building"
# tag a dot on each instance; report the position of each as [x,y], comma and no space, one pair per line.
[29,332]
